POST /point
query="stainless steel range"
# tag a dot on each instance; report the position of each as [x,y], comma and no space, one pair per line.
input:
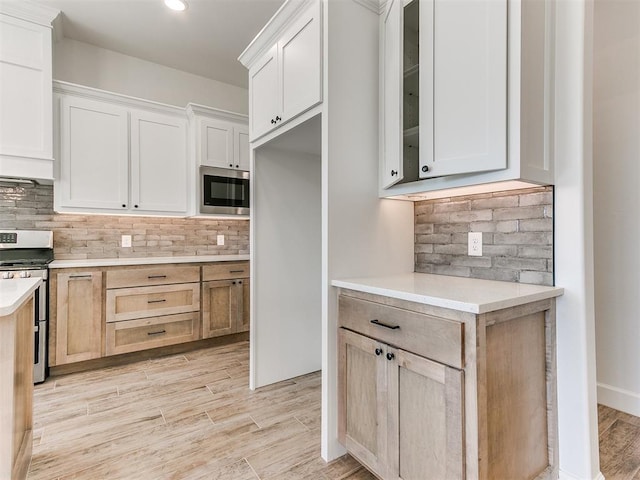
[23,254]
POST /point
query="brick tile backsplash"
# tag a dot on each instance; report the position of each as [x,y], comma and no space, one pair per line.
[517,236]
[78,236]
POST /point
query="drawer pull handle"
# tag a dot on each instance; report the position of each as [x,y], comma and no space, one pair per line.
[378,352]
[150,277]
[380,324]
[79,276]
[157,301]
[236,271]
[157,333]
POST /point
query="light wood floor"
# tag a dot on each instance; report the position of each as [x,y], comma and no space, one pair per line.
[186,416]
[619,444]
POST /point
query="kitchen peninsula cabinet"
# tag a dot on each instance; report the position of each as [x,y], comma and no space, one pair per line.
[449,389]
[76,310]
[16,376]
[225,299]
[466,95]
[287,79]
[137,150]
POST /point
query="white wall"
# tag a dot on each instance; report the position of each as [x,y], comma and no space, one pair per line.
[577,415]
[286,264]
[617,201]
[364,236]
[85,64]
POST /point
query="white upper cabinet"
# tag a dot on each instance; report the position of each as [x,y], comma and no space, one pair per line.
[115,156]
[221,138]
[94,154]
[285,70]
[466,94]
[26,148]
[158,162]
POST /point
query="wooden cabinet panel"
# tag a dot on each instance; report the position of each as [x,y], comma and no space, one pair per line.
[149,276]
[219,308]
[362,380]
[79,317]
[140,302]
[432,337]
[134,335]
[225,271]
[244,316]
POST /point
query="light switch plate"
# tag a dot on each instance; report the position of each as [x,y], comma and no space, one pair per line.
[126,241]
[220,240]
[475,244]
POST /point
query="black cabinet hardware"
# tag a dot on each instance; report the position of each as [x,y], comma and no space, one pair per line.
[157,301]
[157,333]
[380,324]
[390,356]
[378,351]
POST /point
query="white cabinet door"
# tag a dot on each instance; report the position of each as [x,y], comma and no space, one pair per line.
[392,91]
[300,62]
[241,148]
[264,94]
[25,92]
[216,144]
[94,158]
[158,163]
[470,86]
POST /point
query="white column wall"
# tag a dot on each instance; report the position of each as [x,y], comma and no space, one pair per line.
[617,201]
[577,414]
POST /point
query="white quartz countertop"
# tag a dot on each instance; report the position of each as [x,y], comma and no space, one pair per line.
[14,292]
[121,262]
[456,293]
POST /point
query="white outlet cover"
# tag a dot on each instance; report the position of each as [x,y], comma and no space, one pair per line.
[126,241]
[220,240]
[475,244]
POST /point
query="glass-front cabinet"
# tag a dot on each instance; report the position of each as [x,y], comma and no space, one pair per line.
[444,88]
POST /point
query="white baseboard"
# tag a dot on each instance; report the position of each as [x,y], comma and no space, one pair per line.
[623,400]
[568,476]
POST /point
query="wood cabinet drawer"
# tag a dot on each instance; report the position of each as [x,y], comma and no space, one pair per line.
[142,334]
[432,337]
[225,271]
[141,302]
[141,277]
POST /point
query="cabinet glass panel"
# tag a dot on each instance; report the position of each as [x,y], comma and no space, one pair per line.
[411,89]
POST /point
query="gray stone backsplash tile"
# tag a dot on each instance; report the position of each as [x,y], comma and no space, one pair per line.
[517,236]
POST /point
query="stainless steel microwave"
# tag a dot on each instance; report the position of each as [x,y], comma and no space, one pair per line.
[224,191]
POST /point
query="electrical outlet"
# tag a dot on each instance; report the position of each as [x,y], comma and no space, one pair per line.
[220,240]
[475,244]
[126,241]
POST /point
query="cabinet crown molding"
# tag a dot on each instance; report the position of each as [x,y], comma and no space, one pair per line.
[194,109]
[270,33]
[114,98]
[32,12]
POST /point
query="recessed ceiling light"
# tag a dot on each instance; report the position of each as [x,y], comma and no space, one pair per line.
[178,5]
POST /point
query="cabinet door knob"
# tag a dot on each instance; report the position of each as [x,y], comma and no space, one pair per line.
[233,283]
[273,121]
[231,164]
[135,206]
[378,351]
[278,119]
[393,173]
[240,283]
[425,169]
[124,205]
[390,356]
[237,166]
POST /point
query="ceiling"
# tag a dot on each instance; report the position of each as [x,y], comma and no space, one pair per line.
[205,40]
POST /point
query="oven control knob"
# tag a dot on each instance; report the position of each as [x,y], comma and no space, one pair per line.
[7,274]
[25,274]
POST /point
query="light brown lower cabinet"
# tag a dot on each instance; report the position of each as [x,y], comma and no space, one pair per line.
[406,414]
[78,316]
[225,307]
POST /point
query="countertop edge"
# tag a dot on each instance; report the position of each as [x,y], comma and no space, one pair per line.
[124,262]
[16,302]
[453,304]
